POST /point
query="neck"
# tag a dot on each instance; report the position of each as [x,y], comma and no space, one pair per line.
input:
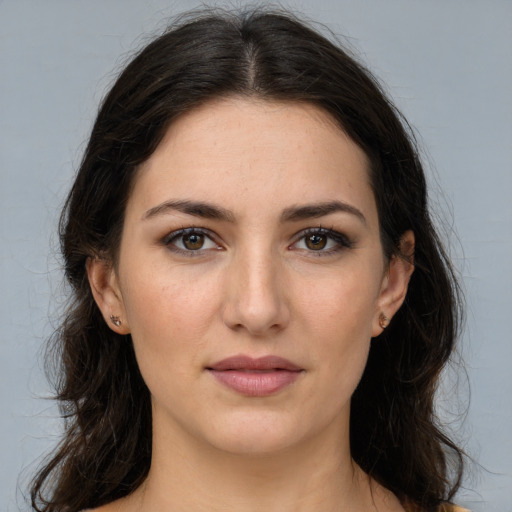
[188,476]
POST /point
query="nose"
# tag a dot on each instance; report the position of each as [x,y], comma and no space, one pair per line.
[255,300]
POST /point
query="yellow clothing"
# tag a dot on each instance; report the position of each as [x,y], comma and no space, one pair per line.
[446,507]
[452,508]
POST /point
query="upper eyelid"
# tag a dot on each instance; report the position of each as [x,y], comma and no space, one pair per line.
[169,239]
[187,230]
[340,238]
[329,232]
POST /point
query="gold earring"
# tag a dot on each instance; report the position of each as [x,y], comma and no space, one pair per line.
[383,321]
[115,320]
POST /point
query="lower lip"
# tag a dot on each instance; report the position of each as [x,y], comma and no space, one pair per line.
[256,383]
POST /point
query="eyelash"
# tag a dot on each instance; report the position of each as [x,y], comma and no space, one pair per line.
[342,241]
[169,240]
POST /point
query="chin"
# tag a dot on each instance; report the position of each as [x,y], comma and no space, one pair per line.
[255,434]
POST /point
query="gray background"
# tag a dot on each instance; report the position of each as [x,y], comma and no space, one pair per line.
[448,66]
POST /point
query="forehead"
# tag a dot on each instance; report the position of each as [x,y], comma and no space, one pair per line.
[240,152]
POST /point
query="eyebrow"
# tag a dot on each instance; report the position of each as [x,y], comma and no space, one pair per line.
[215,212]
[195,208]
[312,211]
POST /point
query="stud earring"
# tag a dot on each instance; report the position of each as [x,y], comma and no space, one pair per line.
[383,321]
[115,320]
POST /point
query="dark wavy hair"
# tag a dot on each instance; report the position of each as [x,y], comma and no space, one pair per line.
[395,436]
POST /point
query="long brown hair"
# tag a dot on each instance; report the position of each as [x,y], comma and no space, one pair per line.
[106,449]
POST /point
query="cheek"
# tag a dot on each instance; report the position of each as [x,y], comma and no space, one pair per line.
[169,321]
[167,314]
[341,303]
[338,317]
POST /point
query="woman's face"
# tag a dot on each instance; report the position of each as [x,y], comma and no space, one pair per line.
[251,232]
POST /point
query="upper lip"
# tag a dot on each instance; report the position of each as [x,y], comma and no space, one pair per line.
[243,362]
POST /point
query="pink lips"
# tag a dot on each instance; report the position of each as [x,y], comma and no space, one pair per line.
[255,377]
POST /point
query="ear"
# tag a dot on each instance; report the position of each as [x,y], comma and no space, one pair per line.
[105,290]
[395,283]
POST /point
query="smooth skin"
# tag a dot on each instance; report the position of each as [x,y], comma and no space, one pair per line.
[252,229]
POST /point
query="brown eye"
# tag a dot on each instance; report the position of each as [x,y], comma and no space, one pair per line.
[322,242]
[193,242]
[316,242]
[190,242]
